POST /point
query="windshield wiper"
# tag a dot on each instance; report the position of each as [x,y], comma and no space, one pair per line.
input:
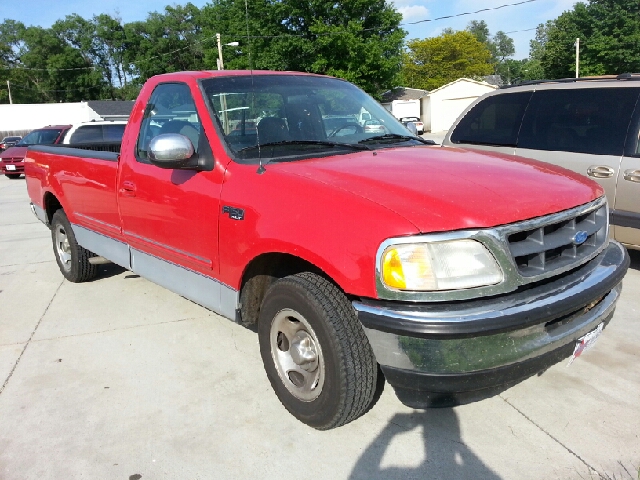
[395,136]
[306,142]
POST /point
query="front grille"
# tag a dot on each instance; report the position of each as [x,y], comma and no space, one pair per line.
[12,160]
[554,244]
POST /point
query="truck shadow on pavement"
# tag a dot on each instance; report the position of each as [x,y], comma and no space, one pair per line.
[445,455]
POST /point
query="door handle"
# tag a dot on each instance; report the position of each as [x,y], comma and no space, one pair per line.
[632,175]
[599,171]
[128,189]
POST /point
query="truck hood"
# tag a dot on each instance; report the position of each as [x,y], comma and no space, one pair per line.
[14,152]
[443,189]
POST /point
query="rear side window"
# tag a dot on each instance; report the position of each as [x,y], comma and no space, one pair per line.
[113,133]
[588,120]
[87,134]
[493,121]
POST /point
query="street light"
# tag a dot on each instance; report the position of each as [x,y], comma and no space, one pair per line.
[223,99]
[230,44]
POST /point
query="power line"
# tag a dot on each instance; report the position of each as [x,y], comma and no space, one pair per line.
[470,13]
[20,67]
[518,31]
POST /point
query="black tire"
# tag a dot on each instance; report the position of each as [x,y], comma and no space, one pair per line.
[13,176]
[72,259]
[346,373]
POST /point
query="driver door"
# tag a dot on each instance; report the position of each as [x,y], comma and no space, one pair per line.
[169,217]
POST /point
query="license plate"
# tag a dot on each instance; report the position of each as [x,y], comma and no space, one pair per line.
[11,167]
[585,343]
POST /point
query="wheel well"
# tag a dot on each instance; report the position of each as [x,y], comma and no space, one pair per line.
[51,204]
[261,273]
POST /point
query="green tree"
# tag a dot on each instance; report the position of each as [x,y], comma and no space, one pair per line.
[360,40]
[480,30]
[436,61]
[165,42]
[609,32]
[501,47]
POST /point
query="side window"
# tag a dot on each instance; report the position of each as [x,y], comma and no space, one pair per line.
[171,109]
[493,121]
[87,133]
[586,120]
[113,133]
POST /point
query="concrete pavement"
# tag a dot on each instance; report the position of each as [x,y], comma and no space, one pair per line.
[121,379]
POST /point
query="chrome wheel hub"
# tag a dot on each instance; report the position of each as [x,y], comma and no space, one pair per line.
[63,249]
[297,355]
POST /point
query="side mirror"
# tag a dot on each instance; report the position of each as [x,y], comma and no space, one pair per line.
[172,150]
[412,128]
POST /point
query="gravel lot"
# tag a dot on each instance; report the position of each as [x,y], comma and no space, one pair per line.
[121,379]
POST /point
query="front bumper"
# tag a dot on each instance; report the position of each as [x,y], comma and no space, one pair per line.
[442,354]
[11,167]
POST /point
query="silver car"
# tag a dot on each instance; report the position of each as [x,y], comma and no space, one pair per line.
[590,126]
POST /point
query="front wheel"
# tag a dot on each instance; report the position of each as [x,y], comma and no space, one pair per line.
[72,259]
[315,352]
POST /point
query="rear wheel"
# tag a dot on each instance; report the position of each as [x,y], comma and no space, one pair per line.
[13,176]
[315,352]
[72,259]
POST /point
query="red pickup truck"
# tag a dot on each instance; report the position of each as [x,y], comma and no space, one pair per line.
[357,256]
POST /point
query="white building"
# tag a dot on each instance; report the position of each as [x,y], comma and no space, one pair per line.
[19,119]
[441,107]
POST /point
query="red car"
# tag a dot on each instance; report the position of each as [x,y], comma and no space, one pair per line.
[12,159]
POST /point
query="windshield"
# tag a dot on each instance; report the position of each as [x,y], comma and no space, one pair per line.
[40,137]
[284,116]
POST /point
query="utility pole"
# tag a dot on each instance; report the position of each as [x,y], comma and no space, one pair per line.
[230,44]
[220,64]
[223,99]
[577,44]
[9,88]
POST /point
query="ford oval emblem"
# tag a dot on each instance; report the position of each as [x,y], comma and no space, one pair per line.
[580,237]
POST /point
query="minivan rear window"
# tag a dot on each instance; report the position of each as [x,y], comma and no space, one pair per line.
[586,120]
[493,121]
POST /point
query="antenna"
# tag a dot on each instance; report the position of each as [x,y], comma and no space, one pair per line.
[261,168]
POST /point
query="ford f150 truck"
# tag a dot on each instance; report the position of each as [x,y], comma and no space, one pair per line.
[357,256]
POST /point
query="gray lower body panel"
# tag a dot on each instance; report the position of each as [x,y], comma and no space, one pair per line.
[40,214]
[117,252]
[203,290]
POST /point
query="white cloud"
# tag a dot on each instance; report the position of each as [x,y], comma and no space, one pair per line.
[414,12]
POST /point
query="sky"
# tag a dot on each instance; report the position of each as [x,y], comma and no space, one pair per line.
[513,19]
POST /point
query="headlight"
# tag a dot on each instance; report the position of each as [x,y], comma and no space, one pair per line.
[450,265]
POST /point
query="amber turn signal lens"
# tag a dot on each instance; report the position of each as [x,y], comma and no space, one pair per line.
[392,270]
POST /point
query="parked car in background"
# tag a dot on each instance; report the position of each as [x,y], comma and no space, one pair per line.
[12,159]
[7,142]
[374,126]
[98,136]
[590,126]
[95,132]
[410,126]
[416,121]
[340,125]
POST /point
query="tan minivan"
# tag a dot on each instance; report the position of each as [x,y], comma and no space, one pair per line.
[590,126]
